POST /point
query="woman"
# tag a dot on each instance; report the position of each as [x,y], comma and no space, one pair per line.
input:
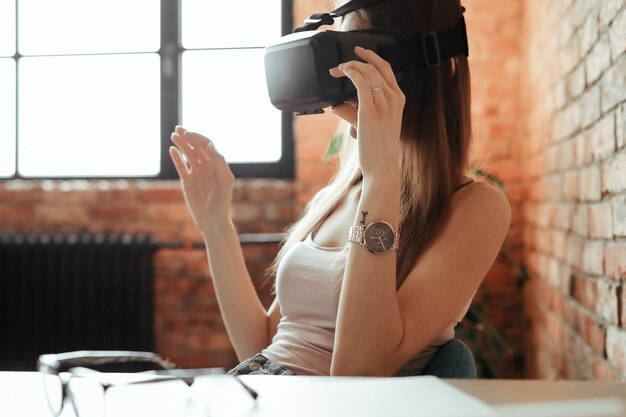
[341,309]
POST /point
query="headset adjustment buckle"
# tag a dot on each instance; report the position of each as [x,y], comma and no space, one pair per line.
[316,20]
[430,47]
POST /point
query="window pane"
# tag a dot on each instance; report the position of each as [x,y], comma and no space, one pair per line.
[225,98]
[7,117]
[88,26]
[219,24]
[7,27]
[89,116]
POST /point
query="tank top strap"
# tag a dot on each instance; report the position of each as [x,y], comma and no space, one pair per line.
[469,181]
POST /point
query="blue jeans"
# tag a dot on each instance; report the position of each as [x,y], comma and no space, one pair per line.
[259,365]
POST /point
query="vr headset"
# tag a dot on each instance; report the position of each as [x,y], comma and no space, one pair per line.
[296,67]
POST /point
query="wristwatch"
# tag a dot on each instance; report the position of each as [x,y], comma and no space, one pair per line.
[378,237]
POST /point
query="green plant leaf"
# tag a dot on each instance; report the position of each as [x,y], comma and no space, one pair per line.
[495,180]
[334,146]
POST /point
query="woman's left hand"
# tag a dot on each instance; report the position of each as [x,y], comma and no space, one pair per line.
[378,116]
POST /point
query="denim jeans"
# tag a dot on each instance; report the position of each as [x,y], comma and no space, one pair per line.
[259,365]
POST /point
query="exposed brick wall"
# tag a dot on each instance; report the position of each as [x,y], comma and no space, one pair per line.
[189,329]
[575,216]
[495,64]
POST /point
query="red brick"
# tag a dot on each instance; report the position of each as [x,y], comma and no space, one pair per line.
[571,185]
[22,195]
[575,251]
[567,155]
[607,303]
[620,126]
[576,82]
[601,220]
[314,173]
[116,195]
[619,215]
[563,216]
[589,104]
[617,35]
[623,304]
[586,292]
[167,212]
[559,245]
[167,302]
[12,215]
[243,212]
[553,327]
[615,261]
[593,257]
[572,117]
[598,60]
[616,347]
[61,214]
[580,220]
[614,84]
[603,371]
[264,190]
[590,183]
[170,262]
[594,334]
[608,11]
[589,34]
[162,195]
[70,196]
[614,174]
[568,58]
[579,11]
[114,213]
[584,153]
[560,95]
[603,137]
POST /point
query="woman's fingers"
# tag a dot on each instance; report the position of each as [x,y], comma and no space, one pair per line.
[181,166]
[202,142]
[183,145]
[189,152]
[196,149]
[383,67]
[346,112]
[180,130]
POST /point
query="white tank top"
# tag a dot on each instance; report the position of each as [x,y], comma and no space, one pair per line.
[308,283]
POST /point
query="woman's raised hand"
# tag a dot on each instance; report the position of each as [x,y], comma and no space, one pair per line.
[206,179]
[378,117]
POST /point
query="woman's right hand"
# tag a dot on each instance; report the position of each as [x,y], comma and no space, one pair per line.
[206,179]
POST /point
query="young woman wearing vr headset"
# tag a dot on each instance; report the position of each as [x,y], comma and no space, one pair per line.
[387,257]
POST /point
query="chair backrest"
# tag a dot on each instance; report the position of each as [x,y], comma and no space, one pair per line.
[453,360]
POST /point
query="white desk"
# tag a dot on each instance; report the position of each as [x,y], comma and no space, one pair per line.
[22,395]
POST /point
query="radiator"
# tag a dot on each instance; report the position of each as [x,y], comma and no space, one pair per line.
[71,292]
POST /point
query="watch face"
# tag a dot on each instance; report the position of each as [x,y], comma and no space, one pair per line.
[379,237]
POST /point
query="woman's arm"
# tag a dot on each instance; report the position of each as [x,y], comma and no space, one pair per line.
[378,328]
[250,327]
[207,184]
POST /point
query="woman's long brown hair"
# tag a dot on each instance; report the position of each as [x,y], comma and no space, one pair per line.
[436,136]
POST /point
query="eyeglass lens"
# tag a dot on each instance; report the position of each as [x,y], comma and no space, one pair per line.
[54,392]
[87,396]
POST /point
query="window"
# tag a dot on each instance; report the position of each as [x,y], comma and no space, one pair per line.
[93,88]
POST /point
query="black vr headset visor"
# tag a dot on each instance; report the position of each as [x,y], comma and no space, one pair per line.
[296,67]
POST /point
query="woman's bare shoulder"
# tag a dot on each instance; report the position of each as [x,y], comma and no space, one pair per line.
[483,199]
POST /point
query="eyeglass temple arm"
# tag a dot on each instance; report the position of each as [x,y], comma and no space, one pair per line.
[165,377]
[95,358]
